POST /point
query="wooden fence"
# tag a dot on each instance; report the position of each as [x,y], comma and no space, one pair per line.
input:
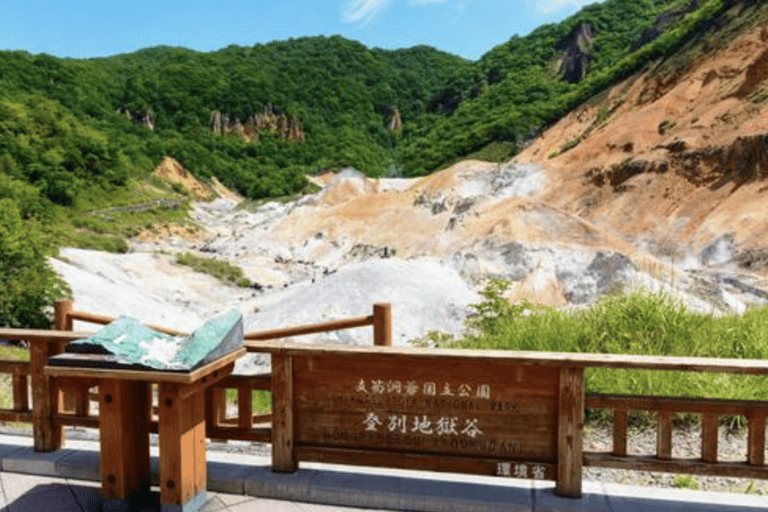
[51,409]
[516,414]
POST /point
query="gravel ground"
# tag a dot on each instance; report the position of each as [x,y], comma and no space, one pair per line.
[685,444]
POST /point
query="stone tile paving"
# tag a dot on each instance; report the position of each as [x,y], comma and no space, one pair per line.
[32,493]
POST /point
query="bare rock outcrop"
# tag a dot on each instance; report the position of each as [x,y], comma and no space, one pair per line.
[744,160]
[395,122]
[575,56]
[268,120]
[145,118]
[662,23]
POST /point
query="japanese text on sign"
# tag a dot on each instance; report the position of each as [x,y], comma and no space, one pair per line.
[518,470]
[414,388]
[442,426]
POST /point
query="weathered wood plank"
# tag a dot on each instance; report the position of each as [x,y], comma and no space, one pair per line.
[756,440]
[220,398]
[444,463]
[182,445]
[570,424]
[283,448]
[676,404]
[709,438]
[218,367]
[197,425]
[747,366]
[256,418]
[261,418]
[261,382]
[20,390]
[45,398]
[244,408]
[14,367]
[76,421]
[210,412]
[206,381]
[170,430]
[104,320]
[76,395]
[42,336]
[382,325]
[61,315]
[337,325]
[620,421]
[664,435]
[256,435]
[727,469]
[124,438]
[22,417]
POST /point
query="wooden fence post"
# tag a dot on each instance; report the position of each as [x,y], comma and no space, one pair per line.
[20,383]
[620,417]
[570,423]
[382,325]
[756,440]
[283,450]
[61,319]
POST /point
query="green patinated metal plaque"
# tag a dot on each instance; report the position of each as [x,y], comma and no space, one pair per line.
[132,344]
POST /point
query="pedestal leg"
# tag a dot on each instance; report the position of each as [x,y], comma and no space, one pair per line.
[182,450]
[45,398]
[124,409]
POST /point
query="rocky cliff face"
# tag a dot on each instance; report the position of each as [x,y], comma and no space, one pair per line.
[395,122]
[663,21]
[257,123]
[145,118]
[672,161]
[574,59]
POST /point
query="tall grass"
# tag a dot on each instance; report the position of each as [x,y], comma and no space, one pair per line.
[220,269]
[639,323]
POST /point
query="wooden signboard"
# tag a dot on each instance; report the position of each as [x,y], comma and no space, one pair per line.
[478,412]
[491,418]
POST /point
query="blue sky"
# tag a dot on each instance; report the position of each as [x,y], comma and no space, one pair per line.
[89,28]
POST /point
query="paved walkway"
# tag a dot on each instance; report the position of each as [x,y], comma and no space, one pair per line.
[68,481]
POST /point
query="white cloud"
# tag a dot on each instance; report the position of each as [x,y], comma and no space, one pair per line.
[362,10]
[552,6]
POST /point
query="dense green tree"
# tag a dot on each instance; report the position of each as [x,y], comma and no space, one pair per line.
[29,285]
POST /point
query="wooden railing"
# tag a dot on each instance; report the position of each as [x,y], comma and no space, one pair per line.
[71,405]
[54,406]
[709,410]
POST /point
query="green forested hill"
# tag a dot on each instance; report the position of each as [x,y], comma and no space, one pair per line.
[61,113]
[67,121]
[514,90]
